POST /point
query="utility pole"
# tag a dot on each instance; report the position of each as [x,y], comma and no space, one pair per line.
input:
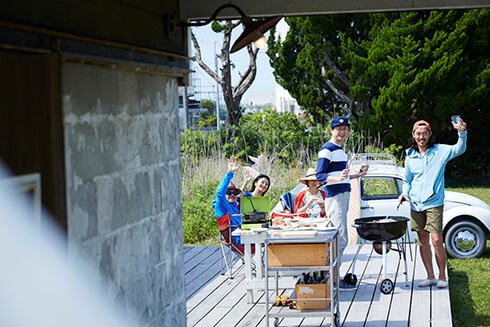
[186,107]
[217,88]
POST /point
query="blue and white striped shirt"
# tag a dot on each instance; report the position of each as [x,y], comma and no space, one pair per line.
[331,161]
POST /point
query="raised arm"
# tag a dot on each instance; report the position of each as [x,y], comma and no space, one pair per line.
[247,177]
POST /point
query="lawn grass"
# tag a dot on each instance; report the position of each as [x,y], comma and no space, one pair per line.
[469,285]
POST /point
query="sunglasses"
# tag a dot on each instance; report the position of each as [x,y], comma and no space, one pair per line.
[232,192]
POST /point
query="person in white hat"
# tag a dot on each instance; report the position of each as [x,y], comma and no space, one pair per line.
[310,200]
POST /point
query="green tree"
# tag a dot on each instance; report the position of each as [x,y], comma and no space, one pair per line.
[388,70]
[209,105]
[281,134]
[206,120]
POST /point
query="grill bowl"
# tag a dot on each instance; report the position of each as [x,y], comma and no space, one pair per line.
[371,230]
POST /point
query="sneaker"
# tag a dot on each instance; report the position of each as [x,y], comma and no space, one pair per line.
[441,284]
[343,286]
[428,282]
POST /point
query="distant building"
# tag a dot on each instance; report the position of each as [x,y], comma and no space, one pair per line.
[285,102]
[259,101]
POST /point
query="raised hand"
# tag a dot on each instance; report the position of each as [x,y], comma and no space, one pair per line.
[247,175]
[363,170]
[232,165]
[461,125]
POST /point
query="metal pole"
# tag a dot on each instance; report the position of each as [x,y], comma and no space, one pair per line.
[186,108]
[217,89]
[384,260]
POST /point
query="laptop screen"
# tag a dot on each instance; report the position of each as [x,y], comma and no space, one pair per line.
[260,203]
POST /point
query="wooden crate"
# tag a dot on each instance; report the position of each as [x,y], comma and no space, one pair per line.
[298,255]
[312,291]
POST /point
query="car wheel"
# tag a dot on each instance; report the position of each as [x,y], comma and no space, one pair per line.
[465,239]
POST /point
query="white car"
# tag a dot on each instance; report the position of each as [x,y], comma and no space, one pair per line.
[466,219]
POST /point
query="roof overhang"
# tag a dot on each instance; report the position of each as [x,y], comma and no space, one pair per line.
[198,9]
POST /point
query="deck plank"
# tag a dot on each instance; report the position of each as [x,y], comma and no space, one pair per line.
[400,305]
[440,302]
[215,300]
[255,315]
[202,274]
[193,251]
[205,289]
[204,253]
[383,303]
[216,305]
[360,299]
[420,313]
[347,298]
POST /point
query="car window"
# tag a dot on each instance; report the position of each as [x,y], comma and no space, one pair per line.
[380,188]
[399,185]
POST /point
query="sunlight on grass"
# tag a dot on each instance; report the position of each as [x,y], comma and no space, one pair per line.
[469,289]
[469,285]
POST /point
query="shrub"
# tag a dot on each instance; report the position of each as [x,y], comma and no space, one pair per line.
[199,222]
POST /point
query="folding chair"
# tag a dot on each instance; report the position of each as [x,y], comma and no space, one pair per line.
[287,202]
[234,251]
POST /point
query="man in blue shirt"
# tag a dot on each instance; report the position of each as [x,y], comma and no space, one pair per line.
[227,197]
[424,186]
[332,172]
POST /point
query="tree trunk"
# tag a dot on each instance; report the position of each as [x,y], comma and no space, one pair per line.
[231,94]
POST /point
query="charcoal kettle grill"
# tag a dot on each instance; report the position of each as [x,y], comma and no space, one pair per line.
[381,231]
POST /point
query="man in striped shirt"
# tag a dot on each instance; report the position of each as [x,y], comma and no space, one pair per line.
[332,172]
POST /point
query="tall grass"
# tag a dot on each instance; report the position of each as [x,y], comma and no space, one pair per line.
[204,164]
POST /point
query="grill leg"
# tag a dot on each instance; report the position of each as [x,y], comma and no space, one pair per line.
[355,256]
[403,252]
[384,260]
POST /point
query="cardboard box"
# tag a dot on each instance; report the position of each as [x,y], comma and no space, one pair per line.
[312,291]
[298,255]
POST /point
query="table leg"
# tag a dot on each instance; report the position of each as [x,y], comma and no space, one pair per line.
[258,263]
[248,271]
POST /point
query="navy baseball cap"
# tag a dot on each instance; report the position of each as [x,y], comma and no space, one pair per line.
[340,120]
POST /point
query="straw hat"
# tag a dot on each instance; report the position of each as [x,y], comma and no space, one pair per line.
[310,176]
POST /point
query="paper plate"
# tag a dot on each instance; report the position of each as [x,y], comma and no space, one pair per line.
[325,228]
[259,229]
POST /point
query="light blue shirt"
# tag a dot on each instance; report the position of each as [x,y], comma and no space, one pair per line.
[424,174]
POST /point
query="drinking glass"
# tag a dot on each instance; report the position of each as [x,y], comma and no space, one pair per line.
[455,120]
[364,161]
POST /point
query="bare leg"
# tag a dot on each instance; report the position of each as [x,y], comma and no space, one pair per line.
[426,253]
[440,253]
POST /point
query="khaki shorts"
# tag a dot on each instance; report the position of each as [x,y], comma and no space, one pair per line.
[429,220]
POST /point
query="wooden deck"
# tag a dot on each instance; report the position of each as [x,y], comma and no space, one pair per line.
[216,300]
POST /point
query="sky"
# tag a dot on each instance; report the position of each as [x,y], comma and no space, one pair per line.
[210,43]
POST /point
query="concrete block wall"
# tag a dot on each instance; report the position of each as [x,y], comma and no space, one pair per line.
[122,157]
